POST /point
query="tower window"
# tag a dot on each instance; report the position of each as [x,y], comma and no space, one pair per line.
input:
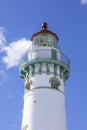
[53,84]
[44,44]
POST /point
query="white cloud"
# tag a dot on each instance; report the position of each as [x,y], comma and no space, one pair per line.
[15,51]
[84,1]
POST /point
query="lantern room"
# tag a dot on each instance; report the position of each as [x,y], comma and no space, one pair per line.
[44,37]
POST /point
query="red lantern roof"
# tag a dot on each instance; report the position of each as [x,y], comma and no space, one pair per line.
[44,30]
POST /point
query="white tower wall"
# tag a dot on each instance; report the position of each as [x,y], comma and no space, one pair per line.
[44,109]
[40,81]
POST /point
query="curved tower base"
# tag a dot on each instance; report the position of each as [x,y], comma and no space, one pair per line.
[44,109]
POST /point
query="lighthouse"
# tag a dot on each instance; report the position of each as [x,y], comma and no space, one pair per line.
[44,73]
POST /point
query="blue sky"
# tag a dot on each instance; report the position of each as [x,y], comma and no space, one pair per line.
[19,19]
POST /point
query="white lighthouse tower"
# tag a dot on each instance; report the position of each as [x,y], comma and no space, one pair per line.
[44,75]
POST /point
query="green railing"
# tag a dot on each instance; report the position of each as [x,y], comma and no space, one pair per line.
[45,53]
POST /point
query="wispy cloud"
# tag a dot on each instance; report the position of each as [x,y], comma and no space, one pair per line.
[84,1]
[3,77]
[15,51]
[2,38]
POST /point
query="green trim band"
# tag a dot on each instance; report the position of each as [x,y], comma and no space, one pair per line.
[45,60]
[24,69]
